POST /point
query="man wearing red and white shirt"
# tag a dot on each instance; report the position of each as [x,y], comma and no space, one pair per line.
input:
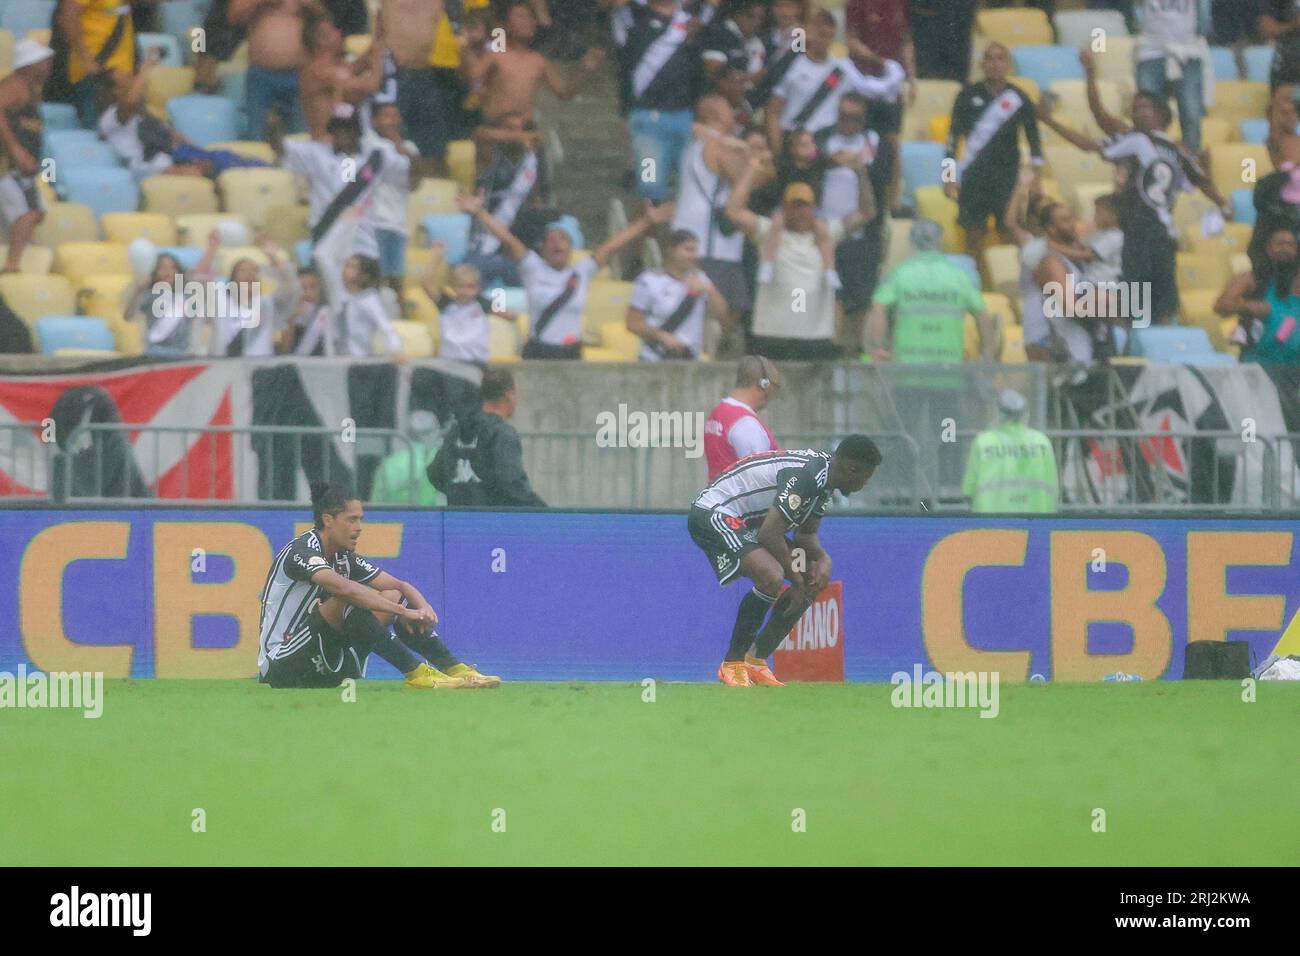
[733,429]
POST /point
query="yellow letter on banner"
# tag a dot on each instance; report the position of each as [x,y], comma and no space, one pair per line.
[178,598]
[1075,606]
[1211,611]
[40,596]
[942,620]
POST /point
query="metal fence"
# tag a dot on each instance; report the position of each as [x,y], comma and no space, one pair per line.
[1102,472]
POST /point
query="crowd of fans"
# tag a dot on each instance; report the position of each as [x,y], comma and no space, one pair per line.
[769,144]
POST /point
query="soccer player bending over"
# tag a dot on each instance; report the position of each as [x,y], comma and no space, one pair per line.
[325,609]
[741,521]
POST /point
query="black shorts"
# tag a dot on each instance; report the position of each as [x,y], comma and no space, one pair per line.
[319,657]
[857,260]
[1151,257]
[724,539]
[885,118]
[985,191]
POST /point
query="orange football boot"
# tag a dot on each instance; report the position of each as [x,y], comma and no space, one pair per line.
[734,674]
[760,673]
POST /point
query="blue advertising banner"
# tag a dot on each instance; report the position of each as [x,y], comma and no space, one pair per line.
[561,596]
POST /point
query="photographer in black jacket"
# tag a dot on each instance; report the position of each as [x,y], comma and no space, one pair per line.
[482,464]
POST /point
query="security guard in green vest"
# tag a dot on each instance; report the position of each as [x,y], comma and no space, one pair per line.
[1012,468]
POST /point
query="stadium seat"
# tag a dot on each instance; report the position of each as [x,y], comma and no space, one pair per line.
[35,260]
[514,299]
[178,195]
[1224,61]
[227,256]
[616,339]
[931,203]
[1234,239]
[1197,307]
[503,340]
[1215,130]
[1047,64]
[1004,268]
[1076,28]
[20,16]
[233,85]
[66,222]
[103,190]
[188,256]
[248,148]
[193,229]
[104,296]
[1202,271]
[1243,206]
[607,301]
[166,82]
[922,164]
[167,43]
[129,226]
[287,225]
[1116,63]
[1015,28]
[58,117]
[7,42]
[253,192]
[1013,345]
[1259,63]
[1234,165]
[940,127]
[462,163]
[1254,131]
[32,296]
[74,150]
[1073,167]
[1029,87]
[204,119]
[73,332]
[432,196]
[417,341]
[77,259]
[1173,344]
[1236,100]
[179,17]
[451,229]
[933,98]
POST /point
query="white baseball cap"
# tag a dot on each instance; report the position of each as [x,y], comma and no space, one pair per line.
[29,53]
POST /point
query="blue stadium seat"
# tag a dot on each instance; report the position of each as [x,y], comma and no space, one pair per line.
[233,86]
[58,117]
[922,166]
[1254,131]
[515,299]
[204,119]
[75,154]
[1175,344]
[967,264]
[178,17]
[21,17]
[103,190]
[73,332]
[1225,63]
[1259,63]
[187,256]
[1047,64]
[173,53]
[1243,206]
[451,228]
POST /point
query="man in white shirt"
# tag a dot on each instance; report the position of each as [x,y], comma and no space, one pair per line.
[393,191]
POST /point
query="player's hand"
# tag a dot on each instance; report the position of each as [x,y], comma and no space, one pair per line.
[952,191]
[820,576]
[470,203]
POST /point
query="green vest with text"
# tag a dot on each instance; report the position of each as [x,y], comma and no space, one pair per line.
[1012,470]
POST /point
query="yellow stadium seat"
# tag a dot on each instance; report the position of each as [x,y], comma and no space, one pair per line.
[104,296]
[1071,107]
[899,245]
[1030,87]
[1115,64]
[1013,345]
[248,148]
[32,296]
[931,203]
[606,301]
[417,342]
[1239,264]
[6,53]
[35,260]
[166,82]
[503,340]
[1215,131]
[999,306]
[462,164]
[1205,272]
[1015,27]
[1004,268]
[933,98]
[179,195]
[430,197]
[195,228]
[77,259]
[41,36]
[254,192]
[102,355]
[418,307]
[1072,167]
[598,353]
[1234,239]
[1189,210]
[227,256]
[287,225]
[66,222]
[1197,307]
[615,337]
[1236,100]
[1236,166]
[357,44]
[940,127]
[129,226]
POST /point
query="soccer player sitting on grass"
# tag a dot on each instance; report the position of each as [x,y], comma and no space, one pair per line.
[741,521]
[325,608]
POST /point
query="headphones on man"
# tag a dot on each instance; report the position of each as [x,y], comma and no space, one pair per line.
[764,383]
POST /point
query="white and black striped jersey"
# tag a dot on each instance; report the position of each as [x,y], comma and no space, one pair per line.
[1159,169]
[794,481]
[991,124]
[288,595]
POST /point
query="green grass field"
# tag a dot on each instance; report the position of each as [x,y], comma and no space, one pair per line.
[589,774]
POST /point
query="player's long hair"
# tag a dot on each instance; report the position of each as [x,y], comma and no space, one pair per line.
[328,499]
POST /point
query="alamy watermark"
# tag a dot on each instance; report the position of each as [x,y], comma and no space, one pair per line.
[1086,299]
[931,689]
[209,300]
[77,690]
[637,429]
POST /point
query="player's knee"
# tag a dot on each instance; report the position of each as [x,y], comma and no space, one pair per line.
[383,617]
